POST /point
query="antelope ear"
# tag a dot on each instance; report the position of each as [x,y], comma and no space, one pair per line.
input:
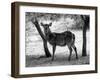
[50,24]
[42,24]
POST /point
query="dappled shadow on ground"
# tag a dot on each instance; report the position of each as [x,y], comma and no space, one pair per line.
[35,61]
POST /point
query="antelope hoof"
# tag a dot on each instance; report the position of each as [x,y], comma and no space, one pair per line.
[76,57]
[69,59]
[52,59]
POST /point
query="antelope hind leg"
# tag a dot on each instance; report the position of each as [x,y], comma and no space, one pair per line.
[70,49]
[54,48]
[75,49]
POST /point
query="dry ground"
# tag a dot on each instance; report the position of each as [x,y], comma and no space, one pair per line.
[34,61]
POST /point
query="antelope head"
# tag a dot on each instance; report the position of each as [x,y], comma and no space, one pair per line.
[46,27]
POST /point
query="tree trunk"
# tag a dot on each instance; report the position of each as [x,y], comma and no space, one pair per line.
[86,24]
[47,53]
[84,51]
[35,22]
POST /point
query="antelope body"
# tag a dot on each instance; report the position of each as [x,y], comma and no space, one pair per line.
[60,39]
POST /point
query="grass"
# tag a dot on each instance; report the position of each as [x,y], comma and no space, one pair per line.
[34,61]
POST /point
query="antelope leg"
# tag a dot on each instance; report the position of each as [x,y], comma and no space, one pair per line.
[75,49]
[54,48]
[70,49]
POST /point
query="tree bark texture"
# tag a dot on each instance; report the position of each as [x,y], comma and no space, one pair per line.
[86,25]
[35,22]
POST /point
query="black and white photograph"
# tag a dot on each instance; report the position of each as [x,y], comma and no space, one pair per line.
[53,39]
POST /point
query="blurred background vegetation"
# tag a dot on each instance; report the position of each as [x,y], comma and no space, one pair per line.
[61,22]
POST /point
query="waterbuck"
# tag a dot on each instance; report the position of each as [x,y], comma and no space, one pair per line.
[60,39]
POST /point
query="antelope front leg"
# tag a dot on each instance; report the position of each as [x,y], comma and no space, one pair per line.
[54,48]
[70,49]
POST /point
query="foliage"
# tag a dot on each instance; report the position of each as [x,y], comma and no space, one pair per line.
[69,21]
